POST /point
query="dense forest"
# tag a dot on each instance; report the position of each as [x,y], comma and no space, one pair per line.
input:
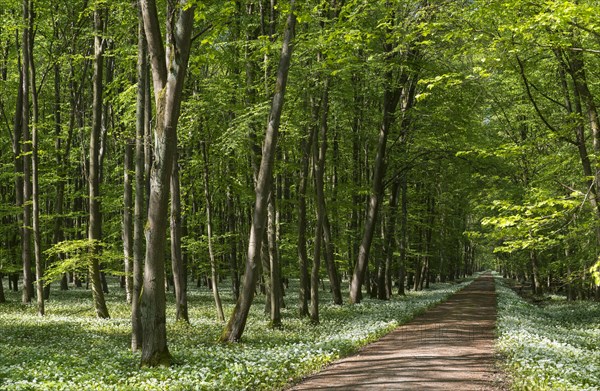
[372,147]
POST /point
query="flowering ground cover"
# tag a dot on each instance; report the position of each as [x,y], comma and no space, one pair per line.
[553,347]
[71,350]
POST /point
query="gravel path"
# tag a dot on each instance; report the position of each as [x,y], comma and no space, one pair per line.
[450,347]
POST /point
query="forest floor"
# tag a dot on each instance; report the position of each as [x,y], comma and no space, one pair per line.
[449,347]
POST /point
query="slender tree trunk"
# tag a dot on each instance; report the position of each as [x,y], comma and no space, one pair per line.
[390,102]
[537,283]
[403,235]
[128,219]
[304,292]
[95,219]
[275,268]
[356,174]
[209,225]
[266,269]
[37,237]
[231,227]
[320,152]
[384,289]
[61,166]
[428,242]
[18,163]
[237,323]
[139,214]
[177,265]
[2,297]
[27,209]
[574,110]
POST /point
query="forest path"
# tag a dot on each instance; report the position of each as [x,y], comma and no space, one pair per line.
[450,347]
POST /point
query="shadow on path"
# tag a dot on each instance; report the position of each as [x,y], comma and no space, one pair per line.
[450,347]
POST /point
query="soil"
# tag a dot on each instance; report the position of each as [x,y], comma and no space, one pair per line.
[450,347]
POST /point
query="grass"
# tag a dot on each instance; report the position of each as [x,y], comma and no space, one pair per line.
[550,347]
[69,349]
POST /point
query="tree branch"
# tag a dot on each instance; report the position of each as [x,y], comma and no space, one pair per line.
[530,96]
[202,32]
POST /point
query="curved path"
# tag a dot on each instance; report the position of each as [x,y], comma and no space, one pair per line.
[450,347]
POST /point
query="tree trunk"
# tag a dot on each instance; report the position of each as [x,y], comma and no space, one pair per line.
[128,219]
[237,323]
[177,265]
[2,297]
[275,268]
[169,64]
[356,174]
[265,270]
[314,275]
[18,164]
[26,133]
[213,265]
[61,166]
[139,214]
[320,151]
[574,110]
[304,292]
[95,219]
[384,289]
[390,101]
[537,283]
[37,239]
[231,227]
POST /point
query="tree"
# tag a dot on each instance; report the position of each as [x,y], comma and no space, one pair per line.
[37,239]
[169,63]
[26,150]
[140,187]
[95,218]
[214,277]
[391,97]
[235,327]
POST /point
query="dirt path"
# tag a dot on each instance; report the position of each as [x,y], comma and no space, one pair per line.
[448,348]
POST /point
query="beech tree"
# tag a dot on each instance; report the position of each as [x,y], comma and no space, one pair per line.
[168,60]
[235,327]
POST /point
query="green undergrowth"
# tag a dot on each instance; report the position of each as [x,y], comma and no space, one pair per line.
[69,349]
[551,347]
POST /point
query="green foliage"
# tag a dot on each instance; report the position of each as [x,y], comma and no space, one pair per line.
[77,256]
[539,225]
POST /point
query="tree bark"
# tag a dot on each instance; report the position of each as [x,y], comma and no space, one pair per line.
[26,148]
[384,289]
[37,237]
[140,189]
[128,219]
[403,235]
[2,297]
[536,286]
[209,225]
[177,265]
[304,289]
[169,66]
[390,101]
[231,227]
[235,327]
[18,164]
[61,156]
[95,219]
[274,266]
[322,217]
